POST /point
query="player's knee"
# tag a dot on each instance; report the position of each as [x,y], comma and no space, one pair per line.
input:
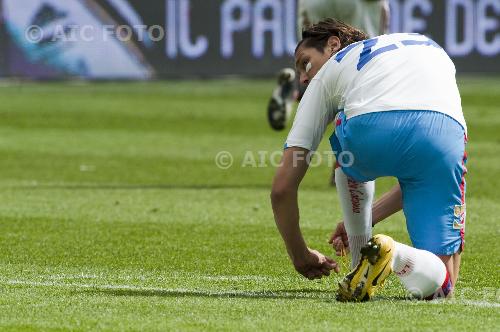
[280,192]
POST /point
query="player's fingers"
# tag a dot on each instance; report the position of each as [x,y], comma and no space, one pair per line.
[332,265]
[338,243]
[325,271]
[313,273]
[329,261]
[345,248]
[332,237]
[308,274]
[338,246]
[342,247]
[345,240]
[318,274]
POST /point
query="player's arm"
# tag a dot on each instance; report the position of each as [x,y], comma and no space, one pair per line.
[390,203]
[284,201]
[311,120]
[309,263]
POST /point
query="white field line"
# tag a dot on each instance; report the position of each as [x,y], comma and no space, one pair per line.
[474,303]
[229,293]
[481,303]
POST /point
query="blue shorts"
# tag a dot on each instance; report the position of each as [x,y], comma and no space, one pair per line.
[425,151]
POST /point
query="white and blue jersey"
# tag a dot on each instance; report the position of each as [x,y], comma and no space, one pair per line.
[391,72]
[399,114]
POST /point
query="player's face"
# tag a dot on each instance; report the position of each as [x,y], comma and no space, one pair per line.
[308,61]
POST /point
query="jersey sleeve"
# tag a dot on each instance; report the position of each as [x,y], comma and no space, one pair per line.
[315,112]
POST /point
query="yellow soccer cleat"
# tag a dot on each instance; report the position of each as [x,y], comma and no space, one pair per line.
[374,267]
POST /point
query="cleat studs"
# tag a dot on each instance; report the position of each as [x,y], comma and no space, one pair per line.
[358,291]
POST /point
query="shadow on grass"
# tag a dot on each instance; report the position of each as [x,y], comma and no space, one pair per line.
[289,294]
[311,294]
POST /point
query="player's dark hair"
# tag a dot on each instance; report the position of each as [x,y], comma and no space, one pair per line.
[317,34]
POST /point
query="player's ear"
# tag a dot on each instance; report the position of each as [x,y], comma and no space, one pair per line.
[333,45]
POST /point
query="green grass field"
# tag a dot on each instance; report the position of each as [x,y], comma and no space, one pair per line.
[114,216]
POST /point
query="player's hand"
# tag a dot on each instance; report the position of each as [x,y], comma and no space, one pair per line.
[315,265]
[339,240]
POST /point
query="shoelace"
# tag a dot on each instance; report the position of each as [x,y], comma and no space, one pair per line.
[344,262]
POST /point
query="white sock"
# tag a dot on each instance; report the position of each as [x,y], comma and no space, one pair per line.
[356,199]
[420,271]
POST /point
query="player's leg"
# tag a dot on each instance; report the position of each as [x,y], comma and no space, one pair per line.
[425,151]
[438,272]
[422,273]
[288,88]
[434,196]
[280,105]
[452,263]
[435,226]
[356,199]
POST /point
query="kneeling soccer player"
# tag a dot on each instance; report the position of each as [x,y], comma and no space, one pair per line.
[396,109]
